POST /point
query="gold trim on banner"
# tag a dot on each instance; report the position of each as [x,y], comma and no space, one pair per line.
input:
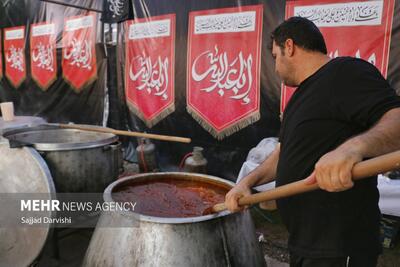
[87,83]
[54,76]
[16,86]
[150,123]
[252,118]
[51,81]
[92,36]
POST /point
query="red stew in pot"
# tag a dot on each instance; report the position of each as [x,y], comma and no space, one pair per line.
[173,198]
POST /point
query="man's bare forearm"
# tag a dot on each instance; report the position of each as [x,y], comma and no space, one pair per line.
[383,137]
[264,173]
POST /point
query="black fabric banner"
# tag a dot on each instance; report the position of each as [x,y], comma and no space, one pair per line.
[115,11]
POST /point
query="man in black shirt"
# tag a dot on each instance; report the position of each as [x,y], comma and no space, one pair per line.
[342,112]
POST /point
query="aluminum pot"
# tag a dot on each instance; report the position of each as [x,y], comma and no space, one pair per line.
[222,239]
[79,161]
[24,173]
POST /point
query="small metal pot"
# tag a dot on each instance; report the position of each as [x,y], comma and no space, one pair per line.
[222,239]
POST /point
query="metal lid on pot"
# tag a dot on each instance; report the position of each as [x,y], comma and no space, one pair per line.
[20,122]
[22,171]
[53,138]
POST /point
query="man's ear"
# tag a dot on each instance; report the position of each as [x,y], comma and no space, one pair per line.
[289,47]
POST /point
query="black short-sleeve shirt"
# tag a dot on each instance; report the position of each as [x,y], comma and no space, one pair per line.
[342,99]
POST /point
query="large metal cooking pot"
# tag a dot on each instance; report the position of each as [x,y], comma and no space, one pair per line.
[222,239]
[23,173]
[79,161]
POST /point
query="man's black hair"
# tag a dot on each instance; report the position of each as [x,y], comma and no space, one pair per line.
[302,31]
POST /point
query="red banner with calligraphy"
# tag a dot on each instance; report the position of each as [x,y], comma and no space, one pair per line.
[149,68]
[223,70]
[359,29]
[43,54]
[14,54]
[78,52]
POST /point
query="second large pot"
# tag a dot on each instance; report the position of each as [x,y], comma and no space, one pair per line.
[222,239]
[79,161]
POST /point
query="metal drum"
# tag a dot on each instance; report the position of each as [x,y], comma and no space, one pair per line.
[22,172]
[222,239]
[79,161]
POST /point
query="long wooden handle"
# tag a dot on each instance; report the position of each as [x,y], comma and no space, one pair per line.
[361,170]
[126,133]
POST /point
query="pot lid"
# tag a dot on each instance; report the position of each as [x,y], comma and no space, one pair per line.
[19,122]
[53,138]
[22,170]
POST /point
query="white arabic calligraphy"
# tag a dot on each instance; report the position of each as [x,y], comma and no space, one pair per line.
[15,56]
[224,75]
[343,14]
[81,54]
[44,58]
[371,59]
[150,29]
[233,22]
[151,76]
[115,6]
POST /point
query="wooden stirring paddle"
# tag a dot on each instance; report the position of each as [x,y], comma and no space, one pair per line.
[367,168]
[125,133]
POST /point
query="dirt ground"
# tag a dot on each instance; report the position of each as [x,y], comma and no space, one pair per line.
[273,236]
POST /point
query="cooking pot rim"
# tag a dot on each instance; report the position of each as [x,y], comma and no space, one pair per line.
[108,198]
[107,138]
